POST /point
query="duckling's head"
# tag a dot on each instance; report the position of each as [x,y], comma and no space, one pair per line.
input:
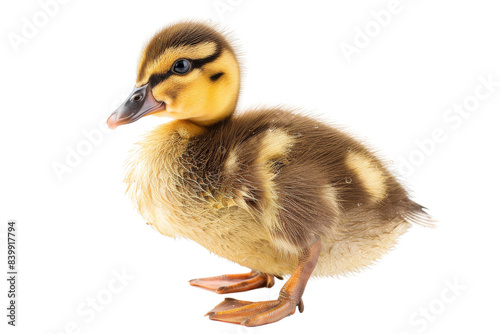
[187,71]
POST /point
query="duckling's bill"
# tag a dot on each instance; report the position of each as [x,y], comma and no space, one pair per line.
[141,102]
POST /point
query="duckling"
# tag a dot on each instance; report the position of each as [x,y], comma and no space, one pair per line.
[274,190]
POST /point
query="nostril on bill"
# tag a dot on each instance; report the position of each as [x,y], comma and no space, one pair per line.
[137,97]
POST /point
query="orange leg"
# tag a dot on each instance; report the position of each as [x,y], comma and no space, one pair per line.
[234,283]
[261,313]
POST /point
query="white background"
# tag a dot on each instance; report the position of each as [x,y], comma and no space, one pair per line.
[74,232]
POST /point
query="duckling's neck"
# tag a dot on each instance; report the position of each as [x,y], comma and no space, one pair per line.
[204,122]
[185,128]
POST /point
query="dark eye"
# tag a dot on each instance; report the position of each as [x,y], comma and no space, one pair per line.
[181,66]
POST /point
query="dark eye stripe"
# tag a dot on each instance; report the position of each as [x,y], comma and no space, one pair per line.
[197,63]
[156,78]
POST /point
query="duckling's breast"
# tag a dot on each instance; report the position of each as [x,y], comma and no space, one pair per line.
[180,196]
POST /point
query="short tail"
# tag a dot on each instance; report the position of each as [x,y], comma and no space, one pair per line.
[419,216]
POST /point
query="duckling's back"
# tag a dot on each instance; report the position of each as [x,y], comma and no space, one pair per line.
[258,187]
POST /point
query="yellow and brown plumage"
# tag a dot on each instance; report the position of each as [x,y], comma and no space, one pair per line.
[273,190]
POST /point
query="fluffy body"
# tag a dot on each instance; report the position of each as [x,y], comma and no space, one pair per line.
[257,187]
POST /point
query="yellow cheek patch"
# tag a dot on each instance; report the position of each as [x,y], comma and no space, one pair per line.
[371,176]
[163,63]
[219,97]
